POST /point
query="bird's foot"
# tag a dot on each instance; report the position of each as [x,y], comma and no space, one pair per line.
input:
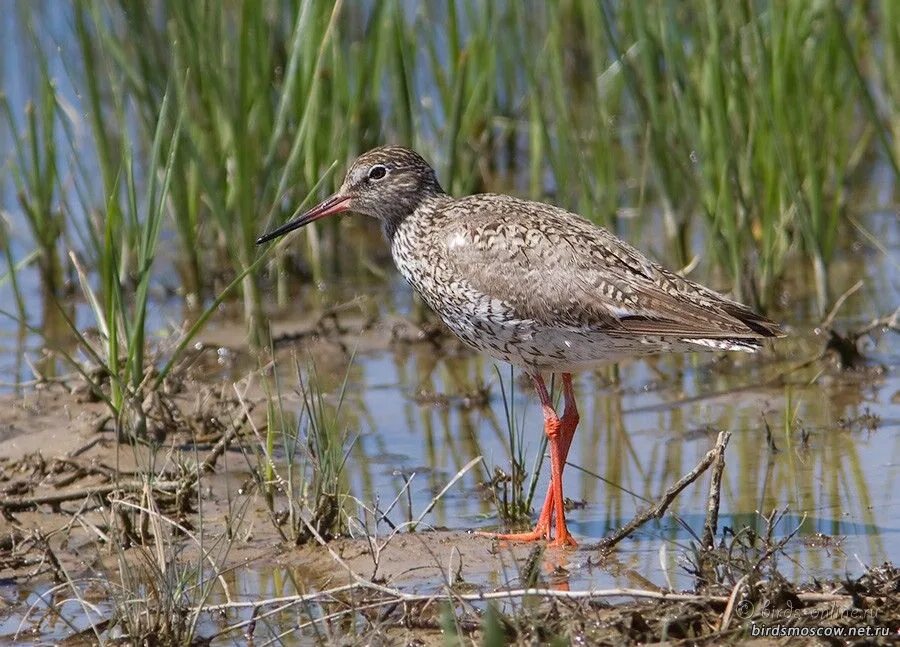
[539,533]
[563,538]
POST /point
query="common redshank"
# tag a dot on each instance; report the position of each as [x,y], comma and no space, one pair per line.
[534,285]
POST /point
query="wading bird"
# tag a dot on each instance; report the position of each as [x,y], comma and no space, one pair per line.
[534,285]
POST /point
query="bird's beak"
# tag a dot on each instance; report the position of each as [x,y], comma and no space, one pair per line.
[335,204]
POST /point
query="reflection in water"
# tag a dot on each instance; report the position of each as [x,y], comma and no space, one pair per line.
[56,332]
[819,441]
[801,440]
[643,426]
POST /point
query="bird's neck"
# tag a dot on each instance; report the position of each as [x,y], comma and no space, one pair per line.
[427,205]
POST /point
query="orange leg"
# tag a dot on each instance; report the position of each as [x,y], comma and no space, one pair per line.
[561,444]
[560,432]
[568,423]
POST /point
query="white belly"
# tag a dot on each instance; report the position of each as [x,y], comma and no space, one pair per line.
[558,350]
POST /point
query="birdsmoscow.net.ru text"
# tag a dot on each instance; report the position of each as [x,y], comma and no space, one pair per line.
[829,620]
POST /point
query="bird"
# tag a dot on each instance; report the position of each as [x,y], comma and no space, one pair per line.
[534,285]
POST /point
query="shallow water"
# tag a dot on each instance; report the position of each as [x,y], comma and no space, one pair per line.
[834,462]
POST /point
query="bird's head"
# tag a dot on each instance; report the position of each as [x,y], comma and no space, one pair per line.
[386,183]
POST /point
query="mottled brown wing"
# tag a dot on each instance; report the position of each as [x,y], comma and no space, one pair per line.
[556,268]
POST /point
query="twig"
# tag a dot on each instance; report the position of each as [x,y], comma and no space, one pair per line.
[277,638]
[404,490]
[219,448]
[23,503]
[782,542]
[285,603]
[96,428]
[284,599]
[891,321]
[437,497]
[729,608]
[715,490]
[659,508]
[826,323]
[395,595]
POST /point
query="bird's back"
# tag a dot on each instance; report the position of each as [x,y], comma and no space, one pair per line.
[522,276]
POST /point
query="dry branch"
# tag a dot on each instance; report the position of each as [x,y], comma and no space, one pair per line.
[14,504]
[171,486]
[394,596]
[715,490]
[658,509]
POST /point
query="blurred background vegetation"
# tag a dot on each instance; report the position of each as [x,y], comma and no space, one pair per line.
[730,137]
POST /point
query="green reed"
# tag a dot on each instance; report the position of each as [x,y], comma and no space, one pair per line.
[35,140]
[118,222]
[744,122]
[889,68]
[123,248]
[107,197]
[514,492]
[234,160]
[754,115]
[302,458]
[326,450]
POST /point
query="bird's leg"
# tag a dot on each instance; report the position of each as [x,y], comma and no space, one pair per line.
[559,436]
[542,527]
[567,425]
[559,440]
[570,418]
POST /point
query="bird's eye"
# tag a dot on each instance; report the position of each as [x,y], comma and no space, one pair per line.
[377,172]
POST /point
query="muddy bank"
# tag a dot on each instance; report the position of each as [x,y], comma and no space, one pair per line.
[206,518]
